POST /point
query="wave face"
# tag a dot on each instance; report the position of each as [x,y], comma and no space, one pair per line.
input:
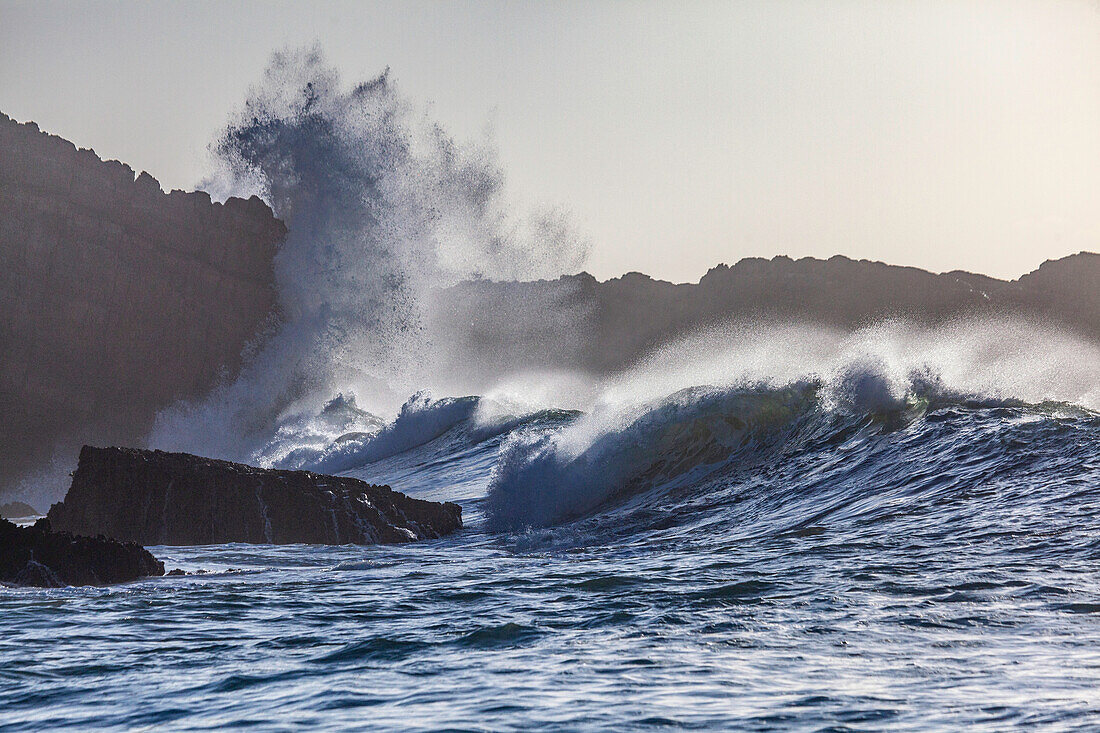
[763,462]
[547,478]
[656,428]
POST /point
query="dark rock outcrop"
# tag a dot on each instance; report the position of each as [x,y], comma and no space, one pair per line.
[17,510]
[41,557]
[117,299]
[159,498]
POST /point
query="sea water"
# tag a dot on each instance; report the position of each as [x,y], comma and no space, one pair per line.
[740,558]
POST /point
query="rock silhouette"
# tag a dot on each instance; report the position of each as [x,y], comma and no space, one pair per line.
[39,556]
[158,498]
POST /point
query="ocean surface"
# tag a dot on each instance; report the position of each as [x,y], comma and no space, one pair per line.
[739,558]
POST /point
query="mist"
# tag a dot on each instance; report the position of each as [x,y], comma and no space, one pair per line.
[382,207]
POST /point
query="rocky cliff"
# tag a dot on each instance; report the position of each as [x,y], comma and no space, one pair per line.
[158,498]
[116,298]
[577,322]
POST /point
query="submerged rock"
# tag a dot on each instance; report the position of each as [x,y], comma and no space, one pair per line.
[159,498]
[41,557]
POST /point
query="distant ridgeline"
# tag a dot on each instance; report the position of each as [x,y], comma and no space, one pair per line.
[623,318]
[115,298]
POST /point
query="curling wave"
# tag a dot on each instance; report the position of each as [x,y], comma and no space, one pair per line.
[794,450]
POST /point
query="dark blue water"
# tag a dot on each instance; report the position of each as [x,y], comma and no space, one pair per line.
[727,559]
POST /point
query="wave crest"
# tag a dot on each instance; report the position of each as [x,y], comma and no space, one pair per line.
[548,478]
[544,479]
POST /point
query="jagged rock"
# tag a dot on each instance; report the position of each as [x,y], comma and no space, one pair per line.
[41,557]
[159,498]
[17,510]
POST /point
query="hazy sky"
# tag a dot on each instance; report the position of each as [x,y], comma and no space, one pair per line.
[940,134]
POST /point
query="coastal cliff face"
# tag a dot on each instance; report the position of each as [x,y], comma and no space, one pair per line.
[577,322]
[116,299]
[158,498]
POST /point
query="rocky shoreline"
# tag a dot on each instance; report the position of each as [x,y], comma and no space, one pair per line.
[123,498]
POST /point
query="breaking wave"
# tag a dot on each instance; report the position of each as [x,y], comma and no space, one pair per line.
[422,420]
[658,428]
[701,414]
[382,206]
[700,436]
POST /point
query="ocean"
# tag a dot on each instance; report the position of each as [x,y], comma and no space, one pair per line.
[742,558]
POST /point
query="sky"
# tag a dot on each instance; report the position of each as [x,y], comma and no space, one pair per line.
[946,135]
